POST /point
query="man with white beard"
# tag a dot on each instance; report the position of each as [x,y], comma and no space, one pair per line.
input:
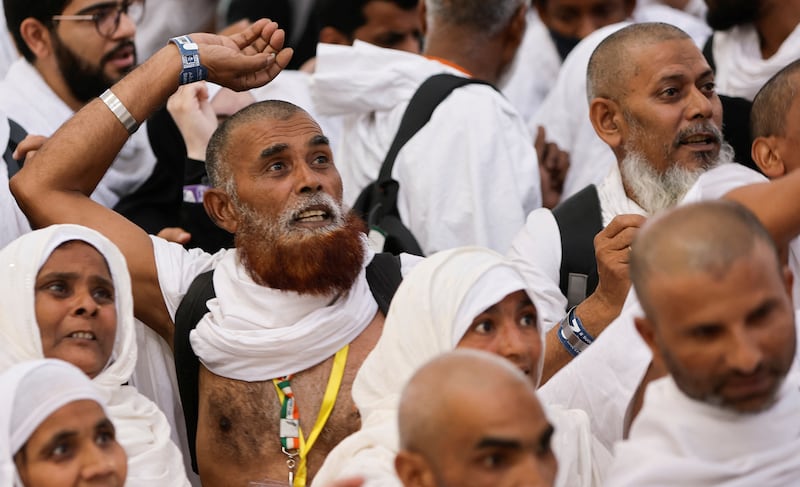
[660,115]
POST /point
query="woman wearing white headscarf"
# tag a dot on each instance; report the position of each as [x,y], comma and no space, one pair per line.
[30,393]
[431,313]
[142,429]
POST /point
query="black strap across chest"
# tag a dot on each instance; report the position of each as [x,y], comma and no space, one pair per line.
[384,275]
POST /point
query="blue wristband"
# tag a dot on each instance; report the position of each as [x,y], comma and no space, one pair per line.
[572,335]
[577,328]
[190,58]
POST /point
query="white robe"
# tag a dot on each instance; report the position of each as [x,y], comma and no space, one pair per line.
[26,98]
[603,379]
[741,70]
[431,311]
[13,222]
[677,441]
[468,177]
[537,252]
[142,429]
[534,70]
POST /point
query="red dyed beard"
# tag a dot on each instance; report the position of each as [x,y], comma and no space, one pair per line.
[321,262]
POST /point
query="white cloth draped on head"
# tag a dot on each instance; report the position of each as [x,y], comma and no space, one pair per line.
[741,70]
[430,312]
[29,393]
[678,441]
[142,429]
[255,333]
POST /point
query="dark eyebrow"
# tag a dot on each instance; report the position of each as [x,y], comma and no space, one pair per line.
[98,6]
[318,140]
[58,438]
[66,276]
[491,442]
[274,149]
[103,281]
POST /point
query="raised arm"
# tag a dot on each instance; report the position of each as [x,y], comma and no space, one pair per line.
[54,185]
[776,204]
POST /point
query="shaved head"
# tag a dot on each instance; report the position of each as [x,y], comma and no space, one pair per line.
[703,238]
[464,415]
[217,166]
[462,375]
[774,100]
[607,76]
[717,304]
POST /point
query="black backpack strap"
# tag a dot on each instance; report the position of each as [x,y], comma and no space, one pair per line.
[192,308]
[384,275]
[15,136]
[419,111]
[579,220]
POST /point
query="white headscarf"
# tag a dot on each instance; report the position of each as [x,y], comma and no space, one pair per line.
[29,393]
[142,429]
[430,312]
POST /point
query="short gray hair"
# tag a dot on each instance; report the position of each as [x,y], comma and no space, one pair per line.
[486,16]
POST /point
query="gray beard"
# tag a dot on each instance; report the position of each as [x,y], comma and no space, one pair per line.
[655,191]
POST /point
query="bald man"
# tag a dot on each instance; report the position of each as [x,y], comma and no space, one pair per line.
[717,314]
[775,123]
[659,114]
[469,418]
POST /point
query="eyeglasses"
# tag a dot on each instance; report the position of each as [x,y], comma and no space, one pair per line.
[106,16]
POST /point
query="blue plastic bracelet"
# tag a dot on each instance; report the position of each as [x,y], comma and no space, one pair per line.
[190,58]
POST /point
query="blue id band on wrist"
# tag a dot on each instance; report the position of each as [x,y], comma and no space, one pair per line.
[190,58]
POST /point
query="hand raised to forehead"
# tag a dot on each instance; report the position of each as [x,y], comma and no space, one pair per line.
[245,60]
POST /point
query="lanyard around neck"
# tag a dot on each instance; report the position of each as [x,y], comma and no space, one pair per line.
[293,442]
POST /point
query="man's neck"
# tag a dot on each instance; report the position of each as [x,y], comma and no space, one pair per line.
[775,24]
[477,58]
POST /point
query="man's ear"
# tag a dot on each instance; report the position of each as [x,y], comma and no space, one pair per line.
[767,157]
[413,470]
[607,120]
[37,37]
[332,35]
[645,328]
[219,207]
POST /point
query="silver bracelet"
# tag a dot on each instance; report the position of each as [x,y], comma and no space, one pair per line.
[118,109]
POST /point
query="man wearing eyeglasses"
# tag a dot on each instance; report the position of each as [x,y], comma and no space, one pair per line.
[73,50]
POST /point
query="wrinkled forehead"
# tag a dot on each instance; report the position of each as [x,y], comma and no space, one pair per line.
[652,60]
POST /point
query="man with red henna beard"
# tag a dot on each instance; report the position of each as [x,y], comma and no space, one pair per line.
[293,315]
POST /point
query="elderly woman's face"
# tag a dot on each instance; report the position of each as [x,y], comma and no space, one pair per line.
[509,329]
[75,307]
[76,445]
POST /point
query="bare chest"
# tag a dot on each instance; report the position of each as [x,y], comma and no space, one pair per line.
[238,438]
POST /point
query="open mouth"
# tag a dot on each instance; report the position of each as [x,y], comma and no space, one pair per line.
[315,214]
[82,335]
[699,139]
[122,57]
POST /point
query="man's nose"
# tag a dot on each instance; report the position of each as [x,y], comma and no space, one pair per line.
[744,354]
[308,180]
